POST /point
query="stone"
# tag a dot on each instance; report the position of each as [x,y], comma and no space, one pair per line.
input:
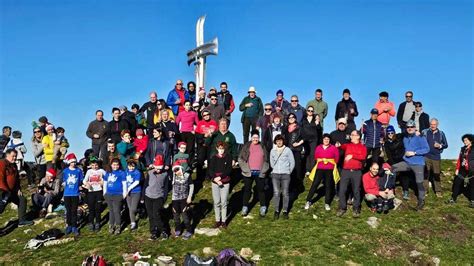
[373,222]
[246,252]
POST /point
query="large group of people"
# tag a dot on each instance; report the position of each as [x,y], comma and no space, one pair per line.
[144,155]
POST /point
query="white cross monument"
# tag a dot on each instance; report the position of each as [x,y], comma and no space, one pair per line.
[198,55]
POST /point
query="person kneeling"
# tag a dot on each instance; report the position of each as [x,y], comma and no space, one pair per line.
[378,187]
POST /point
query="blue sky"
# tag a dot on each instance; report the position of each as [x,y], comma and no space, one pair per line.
[65,59]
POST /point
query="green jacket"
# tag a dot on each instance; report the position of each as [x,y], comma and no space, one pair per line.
[227,138]
[320,108]
[256,110]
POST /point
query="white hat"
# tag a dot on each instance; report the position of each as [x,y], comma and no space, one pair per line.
[342,120]
[252,89]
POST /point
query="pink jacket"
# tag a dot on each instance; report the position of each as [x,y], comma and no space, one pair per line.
[188,120]
[384,117]
[330,152]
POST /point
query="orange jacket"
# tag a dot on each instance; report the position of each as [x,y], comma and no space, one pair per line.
[9,180]
[384,117]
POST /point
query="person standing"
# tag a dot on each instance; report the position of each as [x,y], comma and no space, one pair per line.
[320,106]
[187,121]
[354,157]
[116,125]
[405,111]
[266,120]
[191,88]
[226,99]
[437,142]
[373,137]
[464,169]
[296,109]
[134,191]
[149,109]
[224,135]
[282,163]
[385,108]
[4,139]
[125,148]
[72,181]
[177,97]
[252,109]
[280,104]
[215,108]
[416,147]
[115,191]
[310,130]
[347,108]
[10,189]
[93,182]
[253,162]
[295,142]
[422,119]
[38,152]
[48,146]
[97,132]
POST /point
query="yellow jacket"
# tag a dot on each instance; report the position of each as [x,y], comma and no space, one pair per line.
[49,148]
[157,116]
[335,173]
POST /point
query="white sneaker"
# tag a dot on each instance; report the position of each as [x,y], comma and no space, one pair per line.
[50,208]
[327,207]
[307,174]
[307,205]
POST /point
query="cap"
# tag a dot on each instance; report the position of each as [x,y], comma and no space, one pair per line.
[51,172]
[390,129]
[342,120]
[411,123]
[374,111]
[252,89]
[71,157]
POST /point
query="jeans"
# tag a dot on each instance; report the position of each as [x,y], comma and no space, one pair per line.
[353,177]
[153,208]
[418,170]
[433,174]
[94,201]
[42,200]
[100,150]
[329,186]
[246,124]
[281,185]
[219,196]
[248,181]
[132,202]
[115,207]
[71,203]
[180,208]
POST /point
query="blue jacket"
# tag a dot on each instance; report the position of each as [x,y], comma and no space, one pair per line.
[172,97]
[372,133]
[438,136]
[419,145]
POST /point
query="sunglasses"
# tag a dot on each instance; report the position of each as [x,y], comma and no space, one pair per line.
[213,99]
[391,133]
[179,83]
[409,96]
[37,131]
[309,111]
[411,127]
[206,115]
[291,117]
[268,109]
[294,101]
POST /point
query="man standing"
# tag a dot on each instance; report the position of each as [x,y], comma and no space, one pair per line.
[215,108]
[97,132]
[422,119]
[280,104]
[10,190]
[116,126]
[4,139]
[405,111]
[296,109]
[373,137]
[415,148]
[347,109]
[252,109]
[128,116]
[385,107]
[149,109]
[226,99]
[320,106]
[177,97]
[437,142]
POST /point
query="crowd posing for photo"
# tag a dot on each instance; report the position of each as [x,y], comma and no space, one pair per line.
[155,156]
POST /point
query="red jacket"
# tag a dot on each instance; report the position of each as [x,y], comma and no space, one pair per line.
[371,183]
[9,180]
[203,126]
[359,154]
[141,145]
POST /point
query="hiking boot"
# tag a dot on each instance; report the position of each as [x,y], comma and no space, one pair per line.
[164,236]
[177,233]
[25,222]
[153,237]
[406,195]
[386,207]
[471,204]
[187,235]
[420,205]
[285,215]
[133,227]
[276,216]
[340,213]
[117,230]
[349,201]
[263,211]
[307,205]
[91,227]
[111,229]
[355,214]
[245,211]
[217,225]
[42,213]
[450,201]
[50,208]
[223,225]
[327,207]
[97,227]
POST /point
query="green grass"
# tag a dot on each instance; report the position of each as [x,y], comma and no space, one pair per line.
[442,231]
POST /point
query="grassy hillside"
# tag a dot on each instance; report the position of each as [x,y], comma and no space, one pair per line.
[441,231]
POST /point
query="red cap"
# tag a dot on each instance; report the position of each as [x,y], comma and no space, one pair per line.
[139,132]
[386,166]
[51,172]
[158,161]
[70,158]
[182,143]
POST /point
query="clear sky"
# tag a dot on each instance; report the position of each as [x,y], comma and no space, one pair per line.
[65,59]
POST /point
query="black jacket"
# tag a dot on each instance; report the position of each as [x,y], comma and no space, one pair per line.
[149,109]
[394,150]
[267,138]
[115,128]
[310,131]
[131,120]
[343,108]
[220,167]
[294,137]
[424,120]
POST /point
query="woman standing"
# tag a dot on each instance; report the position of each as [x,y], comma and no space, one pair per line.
[326,156]
[253,162]
[48,146]
[464,169]
[282,162]
[219,171]
[295,143]
[310,127]
[186,122]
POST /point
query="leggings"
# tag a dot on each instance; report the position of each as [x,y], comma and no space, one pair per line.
[71,203]
[115,207]
[94,201]
[132,202]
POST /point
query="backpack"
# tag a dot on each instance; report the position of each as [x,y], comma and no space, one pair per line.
[44,237]
[193,260]
[94,260]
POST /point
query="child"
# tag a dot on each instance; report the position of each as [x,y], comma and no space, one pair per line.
[134,190]
[386,188]
[72,178]
[183,190]
[155,191]
[17,144]
[60,145]
[93,182]
[182,157]
[115,190]
[140,143]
